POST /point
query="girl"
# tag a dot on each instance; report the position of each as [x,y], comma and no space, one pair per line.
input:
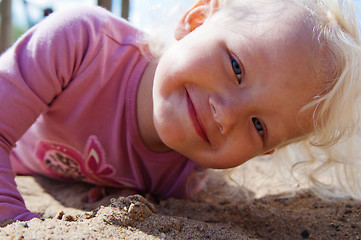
[84,99]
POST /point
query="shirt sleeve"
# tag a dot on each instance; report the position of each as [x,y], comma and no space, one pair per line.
[33,72]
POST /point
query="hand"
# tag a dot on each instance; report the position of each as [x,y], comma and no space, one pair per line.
[98,192]
[5,222]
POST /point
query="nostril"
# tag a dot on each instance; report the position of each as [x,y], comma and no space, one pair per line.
[216,118]
[213,110]
[220,128]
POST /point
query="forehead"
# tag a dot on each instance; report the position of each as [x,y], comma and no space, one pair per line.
[263,17]
[275,29]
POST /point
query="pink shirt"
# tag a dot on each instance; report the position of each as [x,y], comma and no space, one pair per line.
[68,100]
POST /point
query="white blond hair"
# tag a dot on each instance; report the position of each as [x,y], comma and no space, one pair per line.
[329,158]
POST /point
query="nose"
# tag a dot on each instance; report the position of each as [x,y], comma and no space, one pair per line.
[225,111]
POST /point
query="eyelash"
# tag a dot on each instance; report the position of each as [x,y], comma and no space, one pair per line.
[237,69]
[259,126]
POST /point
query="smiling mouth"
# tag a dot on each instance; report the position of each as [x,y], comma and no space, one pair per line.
[196,122]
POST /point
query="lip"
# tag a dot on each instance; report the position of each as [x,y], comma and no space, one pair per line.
[195,119]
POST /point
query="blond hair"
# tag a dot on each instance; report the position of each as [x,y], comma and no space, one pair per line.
[336,113]
[335,168]
[328,159]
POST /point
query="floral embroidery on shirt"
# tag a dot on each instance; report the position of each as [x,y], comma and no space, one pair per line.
[67,163]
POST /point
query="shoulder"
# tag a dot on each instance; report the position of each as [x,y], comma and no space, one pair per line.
[82,27]
[91,20]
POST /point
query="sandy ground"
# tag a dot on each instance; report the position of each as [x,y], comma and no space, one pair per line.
[66,216]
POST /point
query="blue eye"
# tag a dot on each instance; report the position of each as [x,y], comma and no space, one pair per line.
[237,70]
[258,125]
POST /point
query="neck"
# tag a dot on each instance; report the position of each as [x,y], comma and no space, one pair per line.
[146,126]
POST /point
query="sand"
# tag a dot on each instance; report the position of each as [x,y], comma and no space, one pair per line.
[66,216]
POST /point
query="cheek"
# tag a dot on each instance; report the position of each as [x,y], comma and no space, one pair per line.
[240,149]
[168,121]
[166,80]
[171,135]
[178,66]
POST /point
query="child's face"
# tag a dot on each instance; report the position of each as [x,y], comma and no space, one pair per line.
[224,94]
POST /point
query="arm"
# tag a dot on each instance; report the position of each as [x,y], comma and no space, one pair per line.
[33,72]
[12,205]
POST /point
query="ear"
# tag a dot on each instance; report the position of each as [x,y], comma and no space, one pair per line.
[194,18]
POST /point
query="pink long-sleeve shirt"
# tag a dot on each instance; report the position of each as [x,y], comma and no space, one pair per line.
[68,103]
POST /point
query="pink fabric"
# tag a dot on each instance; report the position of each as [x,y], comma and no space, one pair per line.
[68,100]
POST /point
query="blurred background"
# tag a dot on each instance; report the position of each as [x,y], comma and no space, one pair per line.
[17,16]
